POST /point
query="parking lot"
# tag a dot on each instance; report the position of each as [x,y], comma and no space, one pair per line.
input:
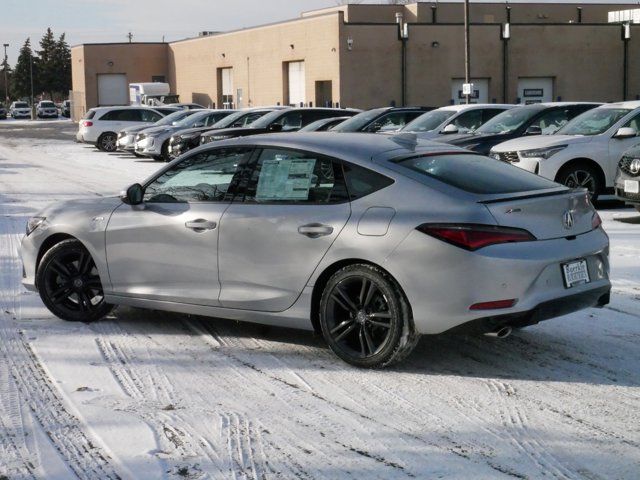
[145,394]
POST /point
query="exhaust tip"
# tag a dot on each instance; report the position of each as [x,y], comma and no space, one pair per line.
[500,332]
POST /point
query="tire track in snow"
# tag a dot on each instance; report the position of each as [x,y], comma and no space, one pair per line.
[81,453]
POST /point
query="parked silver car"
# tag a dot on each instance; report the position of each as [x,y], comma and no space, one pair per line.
[371,239]
[154,141]
[127,136]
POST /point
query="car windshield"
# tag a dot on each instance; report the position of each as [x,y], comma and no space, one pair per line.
[476,173]
[191,118]
[173,117]
[22,105]
[358,122]
[47,104]
[233,118]
[268,119]
[429,121]
[594,122]
[509,121]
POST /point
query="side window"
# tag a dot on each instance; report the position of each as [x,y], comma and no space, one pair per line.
[634,123]
[551,121]
[362,181]
[389,122]
[128,115]
[294,177]
[290,121]
[205,177]
[149,116]
[248,119]
[468,121]
[109,115]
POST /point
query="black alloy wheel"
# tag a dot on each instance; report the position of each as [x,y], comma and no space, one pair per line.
[69,283]
[365,317]
[581,176]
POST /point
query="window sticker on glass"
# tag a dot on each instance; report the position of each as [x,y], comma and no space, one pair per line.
[285,179]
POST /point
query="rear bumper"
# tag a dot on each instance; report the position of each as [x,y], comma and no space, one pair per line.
[597,297]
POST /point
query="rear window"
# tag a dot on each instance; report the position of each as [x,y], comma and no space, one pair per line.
[477,174]
[89,115]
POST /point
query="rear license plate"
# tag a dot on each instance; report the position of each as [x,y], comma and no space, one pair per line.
[575,273]
[631,186]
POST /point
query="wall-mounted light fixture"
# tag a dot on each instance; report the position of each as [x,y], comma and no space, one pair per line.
[350,43]
[292,46]
[435,44]
[224,55]
[110,63]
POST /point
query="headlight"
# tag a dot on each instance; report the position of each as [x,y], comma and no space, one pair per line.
[220,137]
[494,155]
[541,152]
[33,223]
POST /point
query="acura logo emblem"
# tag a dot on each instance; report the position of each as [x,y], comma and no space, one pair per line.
[567,219]
[635,166]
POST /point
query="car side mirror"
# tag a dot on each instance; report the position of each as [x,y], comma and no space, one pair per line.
[275,127]
[450,129]
[374,128]
[533,130]
[625,132]
[133,195]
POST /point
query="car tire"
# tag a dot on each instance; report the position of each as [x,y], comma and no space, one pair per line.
[69,284]
[107,142]
[582,176]
[165,151]
[365,317]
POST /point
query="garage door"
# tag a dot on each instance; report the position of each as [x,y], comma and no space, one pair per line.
[296,84]
[112,89]
[480,91]
[535,89]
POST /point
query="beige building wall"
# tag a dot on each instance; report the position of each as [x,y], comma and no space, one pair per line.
[258,57]
[447,12]
[139,61]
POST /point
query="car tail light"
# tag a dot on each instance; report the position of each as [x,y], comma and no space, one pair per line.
[87,123]
[473,237]
[596,221]
[495,305]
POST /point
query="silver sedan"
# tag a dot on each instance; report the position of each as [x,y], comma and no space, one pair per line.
[372,240]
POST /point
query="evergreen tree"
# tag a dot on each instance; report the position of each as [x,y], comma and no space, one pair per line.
[47,75]
[5,69]
[21,79]
[62,67]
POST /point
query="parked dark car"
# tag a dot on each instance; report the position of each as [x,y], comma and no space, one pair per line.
[386,119]
[536,119]
[185,140]
[627,182]
[287,120]
[323,124]
[3,112]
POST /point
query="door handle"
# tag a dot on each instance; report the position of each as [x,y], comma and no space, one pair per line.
[315,230]
[201,225]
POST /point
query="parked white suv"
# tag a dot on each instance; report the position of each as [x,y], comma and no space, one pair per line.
[100,126]
[453,119]
[20,110]
[46,109]
[582,154]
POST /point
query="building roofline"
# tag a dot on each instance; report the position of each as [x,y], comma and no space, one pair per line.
[117,43]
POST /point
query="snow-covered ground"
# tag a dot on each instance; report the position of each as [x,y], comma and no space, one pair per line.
[145,394]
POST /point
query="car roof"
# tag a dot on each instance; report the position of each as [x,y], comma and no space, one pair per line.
[122,107]
[359,147]
[633,104]
[470,106]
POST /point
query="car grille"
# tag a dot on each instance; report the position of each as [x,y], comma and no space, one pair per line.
[625,166]
[629,196]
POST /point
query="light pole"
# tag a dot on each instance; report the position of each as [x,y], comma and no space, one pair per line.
[467,52]
[6,82]
[31,75]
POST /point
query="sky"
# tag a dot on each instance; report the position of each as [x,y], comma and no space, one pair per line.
[86,21]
